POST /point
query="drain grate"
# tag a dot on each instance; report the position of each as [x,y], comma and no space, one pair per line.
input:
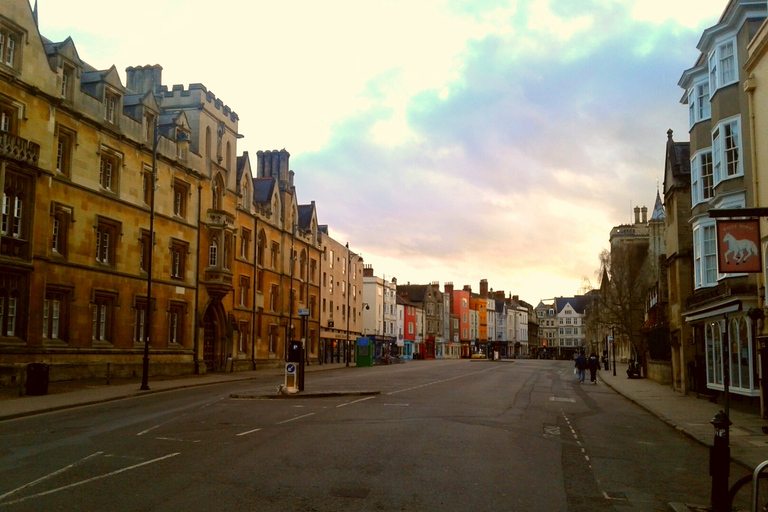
[615,495]
[561,399]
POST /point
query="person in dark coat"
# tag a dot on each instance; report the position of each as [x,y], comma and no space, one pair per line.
[593,363]
[581,366]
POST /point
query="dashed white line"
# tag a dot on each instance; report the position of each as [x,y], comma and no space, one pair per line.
[150,429]
[294,419]
[355,401]
[247,432]
[439,381]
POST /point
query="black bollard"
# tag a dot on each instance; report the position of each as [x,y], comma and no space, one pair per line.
[720,463]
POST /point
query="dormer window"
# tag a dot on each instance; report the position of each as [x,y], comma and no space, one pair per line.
[67,82]
[111,103]
[150,128]
[182,144]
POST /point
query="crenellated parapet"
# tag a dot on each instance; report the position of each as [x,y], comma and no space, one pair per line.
[200,94]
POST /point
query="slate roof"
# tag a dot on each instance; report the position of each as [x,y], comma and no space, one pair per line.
[241,161]
[578,303]
[305,215]
[414,292]
[658,209]
[677,165]
[263,188]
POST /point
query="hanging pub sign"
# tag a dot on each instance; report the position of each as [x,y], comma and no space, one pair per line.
[738,246]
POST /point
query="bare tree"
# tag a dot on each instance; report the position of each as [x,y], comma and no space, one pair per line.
[622,297]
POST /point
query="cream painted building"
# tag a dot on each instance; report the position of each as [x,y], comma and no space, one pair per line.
[756,86]
[341,301]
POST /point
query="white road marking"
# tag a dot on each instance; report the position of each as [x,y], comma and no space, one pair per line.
[355,401]
[248,432]
[50,475]
[150,429]
[440,381]
[82,482]
[294,419]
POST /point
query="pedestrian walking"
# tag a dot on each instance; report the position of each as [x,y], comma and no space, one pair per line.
[593,363]
[581,366]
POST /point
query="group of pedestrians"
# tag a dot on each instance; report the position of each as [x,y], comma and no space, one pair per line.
[582,363]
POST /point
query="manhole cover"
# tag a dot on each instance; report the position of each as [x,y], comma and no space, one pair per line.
[614,495]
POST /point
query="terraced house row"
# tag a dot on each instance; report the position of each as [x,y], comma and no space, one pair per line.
[702,327]
[128,214]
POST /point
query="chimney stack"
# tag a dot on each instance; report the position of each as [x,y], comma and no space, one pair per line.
[484,288]
[141,79]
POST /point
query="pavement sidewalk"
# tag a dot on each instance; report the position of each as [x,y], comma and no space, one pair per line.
[93,393]
[691,416]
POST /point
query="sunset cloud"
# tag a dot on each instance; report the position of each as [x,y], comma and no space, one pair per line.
[445,141]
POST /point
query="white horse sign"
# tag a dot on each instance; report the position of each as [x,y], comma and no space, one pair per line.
[738,246]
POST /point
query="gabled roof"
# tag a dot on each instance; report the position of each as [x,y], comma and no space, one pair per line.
[109,76]
[263,189]
[578,303]
[414,292]
[66,49]
[306,214]
[677,164]
[242,162]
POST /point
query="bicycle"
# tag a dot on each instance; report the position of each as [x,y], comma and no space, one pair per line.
[739,497]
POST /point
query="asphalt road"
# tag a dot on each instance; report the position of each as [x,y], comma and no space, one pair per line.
[442,435]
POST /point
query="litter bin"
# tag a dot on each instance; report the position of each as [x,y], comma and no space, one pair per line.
[363,352]
[37,378]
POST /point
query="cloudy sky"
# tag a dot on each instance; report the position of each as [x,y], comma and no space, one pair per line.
[444,140]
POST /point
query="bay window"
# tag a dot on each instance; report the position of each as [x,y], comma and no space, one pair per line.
[705,254]
[726,150]
[722,65]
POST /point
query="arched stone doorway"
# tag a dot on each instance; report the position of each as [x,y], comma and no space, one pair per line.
[214,338]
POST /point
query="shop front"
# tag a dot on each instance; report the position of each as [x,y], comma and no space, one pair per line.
[725,347]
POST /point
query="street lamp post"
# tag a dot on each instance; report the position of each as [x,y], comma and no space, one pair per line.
[346,341]
[183,143]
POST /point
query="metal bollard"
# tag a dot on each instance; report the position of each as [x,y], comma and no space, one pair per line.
[720,462]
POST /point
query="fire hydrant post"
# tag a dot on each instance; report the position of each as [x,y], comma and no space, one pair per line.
[720,462]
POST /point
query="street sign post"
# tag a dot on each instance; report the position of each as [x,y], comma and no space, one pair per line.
[291,383]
